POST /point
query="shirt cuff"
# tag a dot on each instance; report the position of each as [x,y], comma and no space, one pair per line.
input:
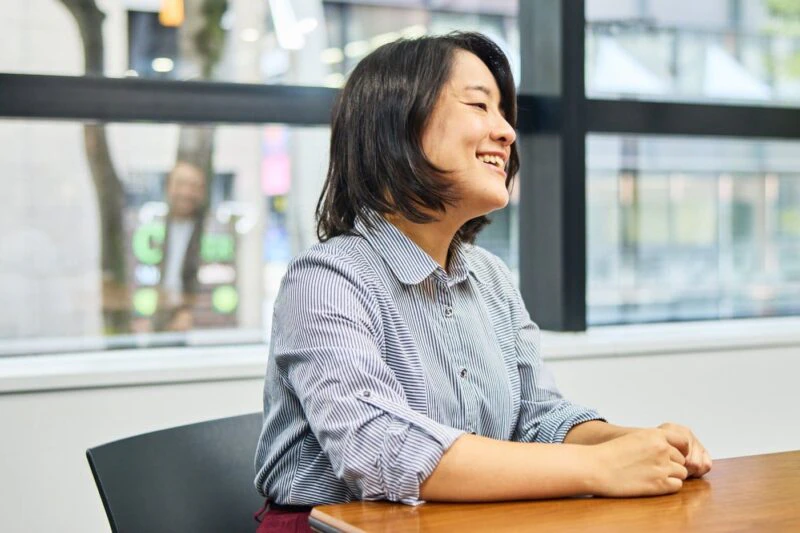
[554,428]
[408,457]
[411,448]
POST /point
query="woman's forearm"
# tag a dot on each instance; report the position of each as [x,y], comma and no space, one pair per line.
[595,432]
[481,469]
[635,463]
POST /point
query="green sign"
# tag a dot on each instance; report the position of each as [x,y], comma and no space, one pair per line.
[216,248]
[224,299]
[148,243]
[145,301]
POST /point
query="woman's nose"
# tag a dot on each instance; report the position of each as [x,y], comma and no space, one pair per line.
[504,132]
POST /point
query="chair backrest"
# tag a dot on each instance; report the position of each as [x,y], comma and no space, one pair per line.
[194,478]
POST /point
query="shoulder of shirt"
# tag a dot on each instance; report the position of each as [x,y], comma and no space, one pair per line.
[348,252]
[487,266]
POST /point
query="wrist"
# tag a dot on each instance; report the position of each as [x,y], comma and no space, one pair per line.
[591,469]
[595,432]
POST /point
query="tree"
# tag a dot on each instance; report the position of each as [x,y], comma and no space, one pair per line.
[201,44]
[108,187]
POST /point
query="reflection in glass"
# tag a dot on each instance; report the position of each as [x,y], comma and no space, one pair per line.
[309,42]
[200,251]
[682,229]
[716,51]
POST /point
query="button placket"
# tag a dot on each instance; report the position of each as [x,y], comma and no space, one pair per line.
[446,300]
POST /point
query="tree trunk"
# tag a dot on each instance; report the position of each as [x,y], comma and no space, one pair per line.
[201,41]
[108,187]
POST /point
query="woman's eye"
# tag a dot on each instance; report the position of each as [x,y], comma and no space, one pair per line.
[480,105]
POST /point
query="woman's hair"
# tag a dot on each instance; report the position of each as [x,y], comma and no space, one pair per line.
[376,156]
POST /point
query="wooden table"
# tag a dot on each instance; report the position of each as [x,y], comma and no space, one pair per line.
[759,494]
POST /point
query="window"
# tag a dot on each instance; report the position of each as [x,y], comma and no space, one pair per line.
[252,216]
[313,42]
[650,189]
[659,160]
[727,51]
[94,252]
[686,229]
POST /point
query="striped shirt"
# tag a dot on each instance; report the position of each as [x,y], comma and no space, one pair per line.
[380,360]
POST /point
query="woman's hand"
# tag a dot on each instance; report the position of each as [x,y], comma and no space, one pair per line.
[641,463]
[698,461]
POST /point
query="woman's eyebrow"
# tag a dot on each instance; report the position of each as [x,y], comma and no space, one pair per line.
[488,92]
[481,88]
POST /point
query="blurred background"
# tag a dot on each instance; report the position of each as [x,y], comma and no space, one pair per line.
[677,228]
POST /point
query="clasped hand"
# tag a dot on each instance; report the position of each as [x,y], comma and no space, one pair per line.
[649,462]
[698,461]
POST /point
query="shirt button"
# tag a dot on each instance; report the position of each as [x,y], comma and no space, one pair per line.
[463,373]
[365,394]
[448,311]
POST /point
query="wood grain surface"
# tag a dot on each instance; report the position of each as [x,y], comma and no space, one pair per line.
[759,493]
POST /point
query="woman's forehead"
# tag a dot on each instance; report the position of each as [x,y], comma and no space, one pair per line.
[469,74]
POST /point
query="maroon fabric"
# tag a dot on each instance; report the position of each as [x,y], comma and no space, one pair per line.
[276,521]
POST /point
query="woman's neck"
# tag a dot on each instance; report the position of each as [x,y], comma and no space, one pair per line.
[434,238]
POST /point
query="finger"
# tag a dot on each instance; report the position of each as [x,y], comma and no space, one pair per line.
[700,462]
[674,484]
[706,465]
[679,439]
[694,463]
[678,471]
[676,456]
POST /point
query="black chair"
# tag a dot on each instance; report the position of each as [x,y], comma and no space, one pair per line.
[193,478]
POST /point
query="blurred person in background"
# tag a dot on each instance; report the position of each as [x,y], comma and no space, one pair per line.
[185,191]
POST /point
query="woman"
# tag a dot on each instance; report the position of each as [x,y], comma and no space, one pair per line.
[403,363]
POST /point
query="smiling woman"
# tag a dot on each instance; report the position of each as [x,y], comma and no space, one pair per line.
[423,109]
[468,135]
[403,364]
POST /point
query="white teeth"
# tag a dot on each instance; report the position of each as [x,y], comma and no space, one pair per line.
[493,160]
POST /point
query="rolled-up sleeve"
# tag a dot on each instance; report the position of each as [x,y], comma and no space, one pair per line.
[327,344]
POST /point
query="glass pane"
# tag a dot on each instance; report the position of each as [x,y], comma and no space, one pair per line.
[135,246]
[251,41]
[745,51]
[688,228]
[126,247]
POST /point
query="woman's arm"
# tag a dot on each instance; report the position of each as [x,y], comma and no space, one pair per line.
[595,432]
[476,468]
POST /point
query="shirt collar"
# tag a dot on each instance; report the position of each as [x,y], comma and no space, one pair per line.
[407,261]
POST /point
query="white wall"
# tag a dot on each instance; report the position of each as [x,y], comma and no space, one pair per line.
[739,402]
[45,480]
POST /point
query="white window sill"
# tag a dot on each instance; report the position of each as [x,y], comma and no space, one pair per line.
[146,366]
[672,338]
[119,368]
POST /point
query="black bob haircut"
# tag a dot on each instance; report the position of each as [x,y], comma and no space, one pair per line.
[376,156]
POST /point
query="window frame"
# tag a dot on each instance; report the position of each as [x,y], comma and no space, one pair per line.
[555,119]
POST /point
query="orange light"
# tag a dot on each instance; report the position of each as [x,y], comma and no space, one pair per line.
[171,13]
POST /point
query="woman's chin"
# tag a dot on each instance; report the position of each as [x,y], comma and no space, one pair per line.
[494,203]
[501,199]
